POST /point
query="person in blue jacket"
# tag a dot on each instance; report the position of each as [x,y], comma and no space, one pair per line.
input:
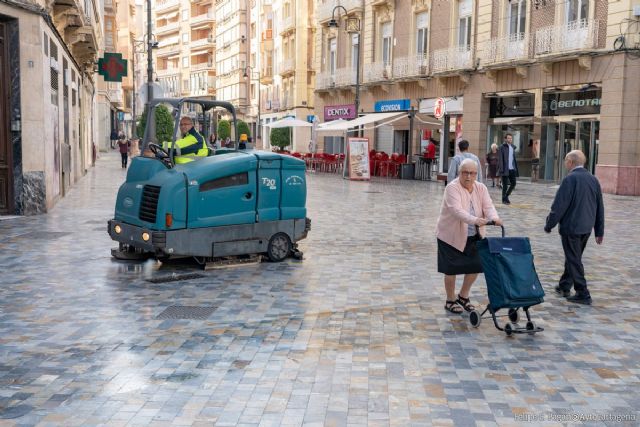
[578,208]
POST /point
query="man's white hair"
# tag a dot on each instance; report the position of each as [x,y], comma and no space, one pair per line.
[469,162]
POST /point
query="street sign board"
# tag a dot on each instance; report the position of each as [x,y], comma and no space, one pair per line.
[439,108]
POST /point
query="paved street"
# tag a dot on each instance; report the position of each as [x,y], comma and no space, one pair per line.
[355,334]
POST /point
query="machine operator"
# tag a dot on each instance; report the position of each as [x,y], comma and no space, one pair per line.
[191,146]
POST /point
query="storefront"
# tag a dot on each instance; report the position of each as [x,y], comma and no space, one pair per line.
[392,139]
[514,114]
[334,144]
[451,130]
[570,121]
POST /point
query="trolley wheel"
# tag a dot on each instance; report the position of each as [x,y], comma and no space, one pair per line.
[474,318]
[514,315]
[279,247]
[531,327]
[508,329]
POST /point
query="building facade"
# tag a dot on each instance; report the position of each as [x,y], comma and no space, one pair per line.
[556,75]
[47,96]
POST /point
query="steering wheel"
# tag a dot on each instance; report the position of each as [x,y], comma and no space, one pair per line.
[160,153]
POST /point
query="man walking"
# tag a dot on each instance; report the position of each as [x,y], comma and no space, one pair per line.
[578,208]
[507,168]
[464,154]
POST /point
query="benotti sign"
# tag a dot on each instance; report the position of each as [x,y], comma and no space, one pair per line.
[335,112]
[571,103]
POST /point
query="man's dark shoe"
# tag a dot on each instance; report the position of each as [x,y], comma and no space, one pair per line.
[506,202]
[562,292]
[580,299]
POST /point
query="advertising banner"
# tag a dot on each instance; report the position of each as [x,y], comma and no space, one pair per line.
[358,153]
[335,112]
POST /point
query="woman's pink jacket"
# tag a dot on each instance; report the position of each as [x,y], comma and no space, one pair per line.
[454,213]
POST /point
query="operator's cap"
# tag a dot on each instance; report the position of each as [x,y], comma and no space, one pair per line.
[243,137]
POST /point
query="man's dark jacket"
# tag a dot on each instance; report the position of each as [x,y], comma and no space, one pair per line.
[578,205]
[503,160]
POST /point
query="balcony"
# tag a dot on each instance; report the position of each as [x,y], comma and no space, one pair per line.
[342,77]
[202,66]
[288,66]
[324,10]
[287,24]
[168,46]
[208,17]
[167,5]
[411,66]
[168,28]
[572,37]
[325,80]
[266,75]
[377,72]
[507,49]
[167,72]
[286,103]
[209,41]
[457,58]
[267,41]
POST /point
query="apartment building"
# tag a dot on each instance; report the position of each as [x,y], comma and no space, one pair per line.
[47,54]
[558,75]
[281,54]
[185,58]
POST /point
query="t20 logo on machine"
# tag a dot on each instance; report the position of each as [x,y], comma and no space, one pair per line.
[269,182]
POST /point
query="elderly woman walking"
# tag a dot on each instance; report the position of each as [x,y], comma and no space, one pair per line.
[466,209]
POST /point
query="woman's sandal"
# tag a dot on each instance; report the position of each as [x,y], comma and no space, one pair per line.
[452,307]
[465,303]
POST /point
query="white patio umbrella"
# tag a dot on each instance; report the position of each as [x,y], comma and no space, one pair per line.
[289,122]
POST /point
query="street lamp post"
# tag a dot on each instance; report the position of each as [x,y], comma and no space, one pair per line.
[352,27]
[248,74]
[136,44]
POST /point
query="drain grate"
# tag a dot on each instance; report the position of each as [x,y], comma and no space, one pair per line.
[175,278]
[373,192]
[186,312]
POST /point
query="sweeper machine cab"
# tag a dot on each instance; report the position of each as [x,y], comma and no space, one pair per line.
[230,203]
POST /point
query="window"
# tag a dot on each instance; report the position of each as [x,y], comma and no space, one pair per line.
[253,30]
[333,46]
[185,38]
[355,51]
[386,43]
[185,61]
[577,10]
[227,181]
[185,15]
[464,24]
[517,17]
[421,33]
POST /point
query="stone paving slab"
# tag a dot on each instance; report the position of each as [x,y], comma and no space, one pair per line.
[353,335]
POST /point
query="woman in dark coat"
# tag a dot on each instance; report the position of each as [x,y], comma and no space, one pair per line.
[492,162]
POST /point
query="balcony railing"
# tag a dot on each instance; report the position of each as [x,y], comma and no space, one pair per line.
[576,35]
[167,5]
[167,28]
[340,78]
[410,66]
[377,71]
[324,10]
[451,59]
[202,66]
[288,66]
[207,41]
[288,23]
[286,102]
[167,72]
[512,47]
[209,16]
[325,80]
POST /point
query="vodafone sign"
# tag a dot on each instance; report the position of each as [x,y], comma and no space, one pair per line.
[439,108]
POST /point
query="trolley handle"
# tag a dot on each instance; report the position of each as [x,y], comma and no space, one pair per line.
[494,223]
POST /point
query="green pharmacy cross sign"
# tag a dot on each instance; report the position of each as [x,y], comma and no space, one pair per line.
[112,67]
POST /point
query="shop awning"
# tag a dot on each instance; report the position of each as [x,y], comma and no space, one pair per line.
[360,121]
[514,120]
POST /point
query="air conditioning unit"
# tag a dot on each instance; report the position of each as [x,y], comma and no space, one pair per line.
[210,39]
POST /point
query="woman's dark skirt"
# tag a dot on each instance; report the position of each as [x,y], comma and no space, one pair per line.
[451,261]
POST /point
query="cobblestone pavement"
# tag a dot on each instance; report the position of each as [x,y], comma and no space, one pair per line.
[355,334]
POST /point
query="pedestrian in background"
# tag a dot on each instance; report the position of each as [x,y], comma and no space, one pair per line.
[430,156]
[463,146]
[123,146]
[114,139]
[507,167]
[578,208]
[466,209]
[492,164]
